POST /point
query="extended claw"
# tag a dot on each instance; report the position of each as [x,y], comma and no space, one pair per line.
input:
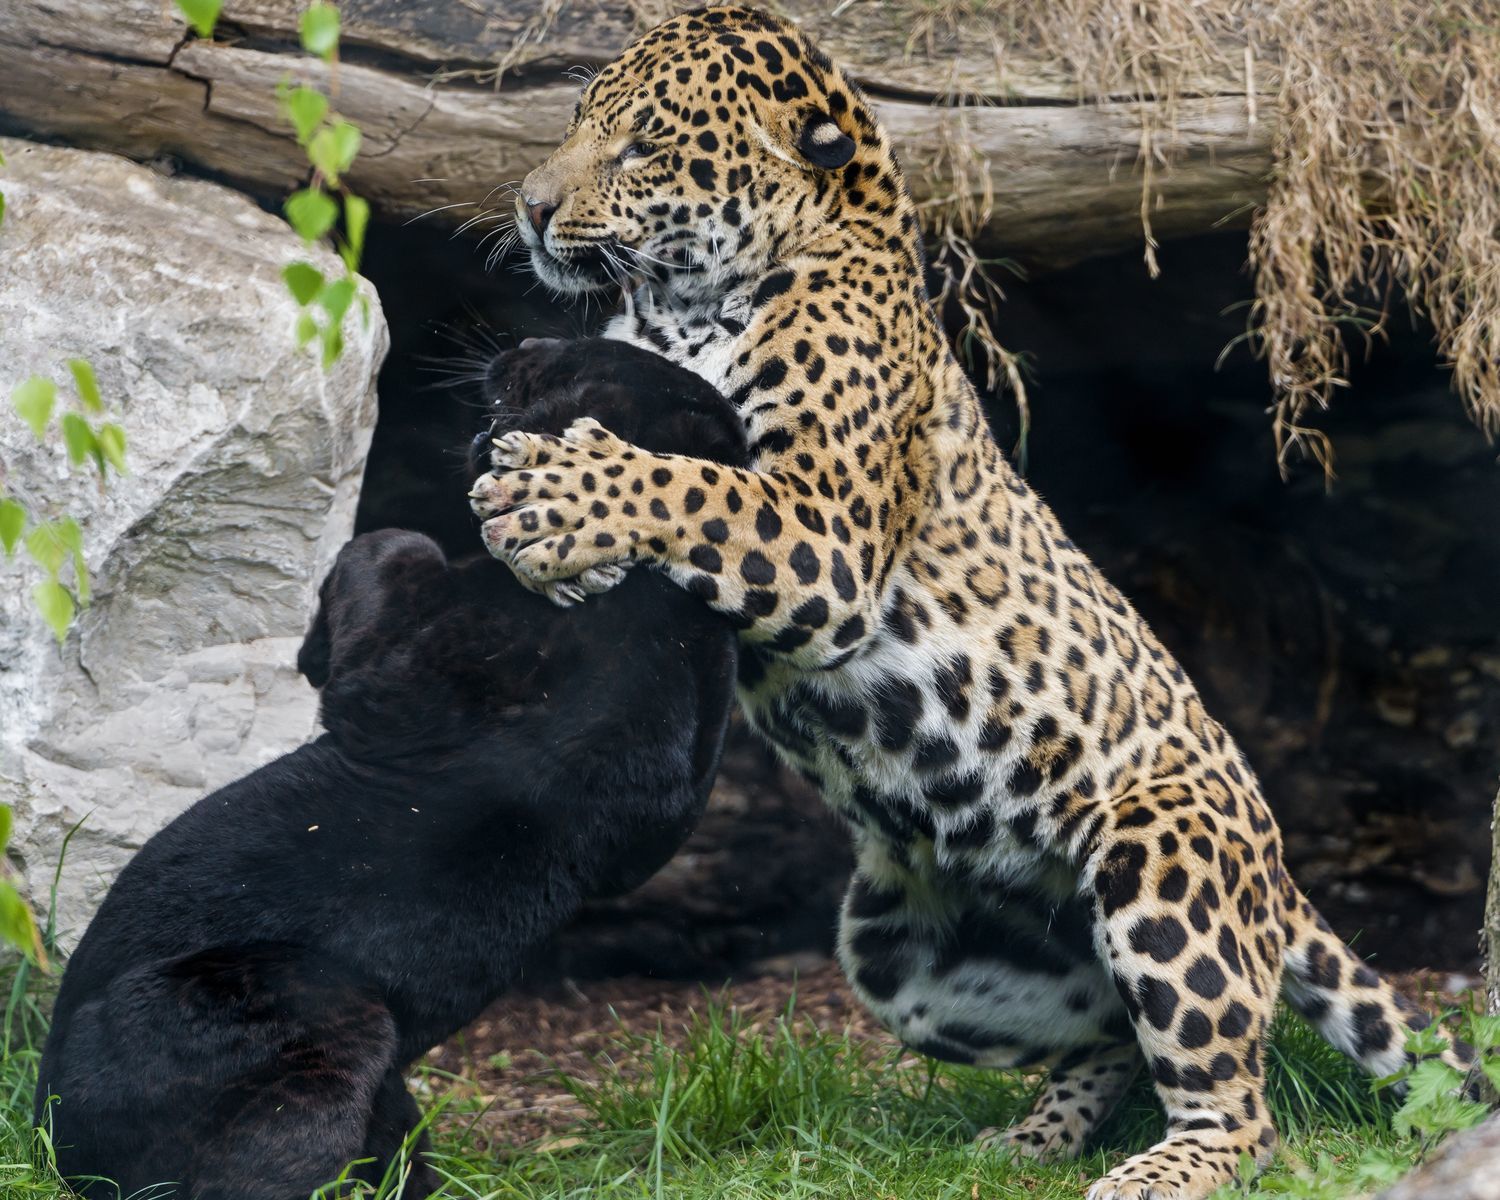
[486,497]
[564,593]
[601,578]
[510,451]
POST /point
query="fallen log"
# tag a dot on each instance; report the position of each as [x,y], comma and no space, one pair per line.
[458,96]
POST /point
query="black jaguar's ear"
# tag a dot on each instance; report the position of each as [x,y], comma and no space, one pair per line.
[823,143]
[315,658]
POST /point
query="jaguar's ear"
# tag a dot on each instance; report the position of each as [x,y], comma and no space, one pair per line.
[315,658]
[823,143]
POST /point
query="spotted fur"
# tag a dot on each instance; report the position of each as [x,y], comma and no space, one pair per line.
[1063,860]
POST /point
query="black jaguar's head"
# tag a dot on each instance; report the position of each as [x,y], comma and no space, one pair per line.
[546,384]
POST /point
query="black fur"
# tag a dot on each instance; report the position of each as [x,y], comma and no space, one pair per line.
[237,1018]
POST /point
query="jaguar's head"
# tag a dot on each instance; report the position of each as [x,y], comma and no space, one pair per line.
[716,144]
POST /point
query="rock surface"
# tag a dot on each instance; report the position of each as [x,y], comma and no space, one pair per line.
[245,465]
[1466,1168]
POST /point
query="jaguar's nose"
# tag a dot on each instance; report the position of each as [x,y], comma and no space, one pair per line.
[540,213]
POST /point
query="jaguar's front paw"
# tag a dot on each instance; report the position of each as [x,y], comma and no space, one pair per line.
[553,567]
[583,441]
[562,512]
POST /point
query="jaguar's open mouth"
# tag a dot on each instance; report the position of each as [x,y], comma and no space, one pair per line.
[581,265]
[578,267]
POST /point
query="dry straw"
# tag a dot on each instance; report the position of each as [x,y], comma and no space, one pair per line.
[1385,175]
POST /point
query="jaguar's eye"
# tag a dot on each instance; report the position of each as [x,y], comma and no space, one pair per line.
[637,150]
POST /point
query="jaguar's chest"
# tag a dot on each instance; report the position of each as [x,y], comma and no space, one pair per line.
[705,340]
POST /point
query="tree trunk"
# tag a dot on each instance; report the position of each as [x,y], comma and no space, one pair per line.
[1468,1167]
[458,96]
[1490,935]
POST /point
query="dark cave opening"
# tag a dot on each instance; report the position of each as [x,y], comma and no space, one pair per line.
[1347,633]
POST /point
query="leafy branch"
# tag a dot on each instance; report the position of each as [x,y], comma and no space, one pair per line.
[326,207]
[1435,1103]
[53,542]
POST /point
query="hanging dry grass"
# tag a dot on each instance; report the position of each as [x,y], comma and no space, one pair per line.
[1150,54]
[1386,171]
[1387,174]
[966,279]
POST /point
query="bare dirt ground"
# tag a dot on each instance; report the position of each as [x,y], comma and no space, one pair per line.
[513,1055]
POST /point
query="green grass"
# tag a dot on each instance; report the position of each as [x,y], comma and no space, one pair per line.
[793,1112]
[785,1111]
[25,1170]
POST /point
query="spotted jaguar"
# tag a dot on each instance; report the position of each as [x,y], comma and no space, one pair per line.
[1064,863]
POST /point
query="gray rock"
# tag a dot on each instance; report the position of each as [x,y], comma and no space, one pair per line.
[1467,1167]
[245,463]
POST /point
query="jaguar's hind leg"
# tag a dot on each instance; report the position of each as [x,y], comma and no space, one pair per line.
[1080,1093]
[390,1145]
[298,1120]
[1198,961]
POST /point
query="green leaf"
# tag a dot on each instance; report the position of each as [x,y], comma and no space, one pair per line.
[303,280]
[1491,1068]
[307,329]
[1249,1169]
[55,603]
[69,534]
[71,537]
[33,400]
[12,523]
[333,148]
[46,548]
[346,139]
[333,344]
[356,221]
[81,579]
[1430,1083]
[305,108]
[112,445]
[2,206]
[1484,1033]
[18,926]
[322,154]
[80,440]
[336,298]
[311,212]
[86,383]
[1425,1043]
[320,30]
[201,14]
[5,822]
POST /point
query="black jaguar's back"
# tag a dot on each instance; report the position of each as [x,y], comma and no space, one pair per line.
[237,1017]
